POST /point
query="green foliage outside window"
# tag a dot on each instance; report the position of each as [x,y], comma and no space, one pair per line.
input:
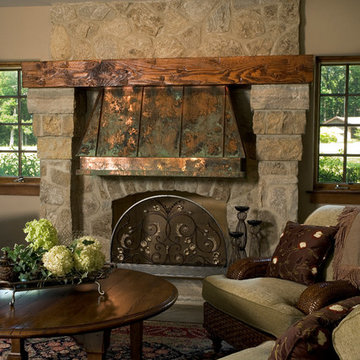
[326,138]
[339,120]
[18,145]
[331,170]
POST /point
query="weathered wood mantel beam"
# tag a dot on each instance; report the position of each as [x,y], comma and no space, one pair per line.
[282,69]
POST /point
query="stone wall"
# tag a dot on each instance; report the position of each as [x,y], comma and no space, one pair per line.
[126,29]
[174,28]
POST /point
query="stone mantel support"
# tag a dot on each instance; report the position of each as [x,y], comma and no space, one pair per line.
[53,122]
[279,121]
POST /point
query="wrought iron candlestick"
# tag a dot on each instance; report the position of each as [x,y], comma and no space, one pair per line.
[239,236]
[238,246]
[255,237]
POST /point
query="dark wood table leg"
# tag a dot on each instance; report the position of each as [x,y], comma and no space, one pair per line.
[136,337]
[95,344]
[17,350]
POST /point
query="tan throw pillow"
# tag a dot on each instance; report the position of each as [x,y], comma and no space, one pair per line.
[301,252]
[345,336]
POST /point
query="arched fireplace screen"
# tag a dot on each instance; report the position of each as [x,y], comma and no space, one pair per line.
[168,230]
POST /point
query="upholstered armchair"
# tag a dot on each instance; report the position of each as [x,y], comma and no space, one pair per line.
[259,299]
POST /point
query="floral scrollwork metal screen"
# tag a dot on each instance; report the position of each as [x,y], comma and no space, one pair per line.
[168,230]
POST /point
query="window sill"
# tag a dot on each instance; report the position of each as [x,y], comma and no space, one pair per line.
[31,187]
[351,197]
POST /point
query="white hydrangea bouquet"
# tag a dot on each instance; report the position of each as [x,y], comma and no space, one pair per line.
[44,259]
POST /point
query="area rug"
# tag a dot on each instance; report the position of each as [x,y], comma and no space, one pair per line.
[162,341]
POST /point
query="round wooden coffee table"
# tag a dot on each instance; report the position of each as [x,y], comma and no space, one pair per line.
[130,297]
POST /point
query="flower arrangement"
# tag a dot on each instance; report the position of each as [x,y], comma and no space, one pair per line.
[44,258]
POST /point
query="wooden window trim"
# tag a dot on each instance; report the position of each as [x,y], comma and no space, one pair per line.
[335,197]
[330,193]
[9,186]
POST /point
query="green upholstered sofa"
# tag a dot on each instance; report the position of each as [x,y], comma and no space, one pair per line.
[253,309]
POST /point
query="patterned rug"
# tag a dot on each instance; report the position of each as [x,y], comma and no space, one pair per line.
[162,341]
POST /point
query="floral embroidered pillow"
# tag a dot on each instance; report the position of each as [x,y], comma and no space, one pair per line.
[311,337]
[301,252]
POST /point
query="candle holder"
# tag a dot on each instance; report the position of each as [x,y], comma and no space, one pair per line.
[238,246]
[239,236]
[255,237]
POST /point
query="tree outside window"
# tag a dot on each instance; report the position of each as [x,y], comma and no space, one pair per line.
[18,145]
[338,159]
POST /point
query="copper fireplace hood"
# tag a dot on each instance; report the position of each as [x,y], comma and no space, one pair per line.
[163,131]
[167,117]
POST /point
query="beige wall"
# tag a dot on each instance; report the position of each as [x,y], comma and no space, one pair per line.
[24,33]
[332,27]
[15,211]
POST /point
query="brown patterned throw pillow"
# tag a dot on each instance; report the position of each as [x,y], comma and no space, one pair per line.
[301,252]
[310,337]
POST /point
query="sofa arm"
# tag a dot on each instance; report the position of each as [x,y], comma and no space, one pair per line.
[248,268]
[325,293]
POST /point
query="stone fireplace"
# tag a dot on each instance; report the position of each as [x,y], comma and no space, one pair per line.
[173,28]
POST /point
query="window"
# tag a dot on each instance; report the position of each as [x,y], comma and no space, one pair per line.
[18,145]
[338,124]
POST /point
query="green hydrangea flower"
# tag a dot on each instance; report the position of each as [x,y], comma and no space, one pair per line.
[88,259]
[41,234]
[58,260]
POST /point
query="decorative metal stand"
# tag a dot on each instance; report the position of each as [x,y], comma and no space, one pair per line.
[255,237]
[17,286]
[239,236]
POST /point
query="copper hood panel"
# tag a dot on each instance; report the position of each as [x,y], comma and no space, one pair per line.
[163,131]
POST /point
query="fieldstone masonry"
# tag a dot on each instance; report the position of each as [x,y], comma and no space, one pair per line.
[279,121]
[174,28]
[270,190]
[127,29]
[53,122]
